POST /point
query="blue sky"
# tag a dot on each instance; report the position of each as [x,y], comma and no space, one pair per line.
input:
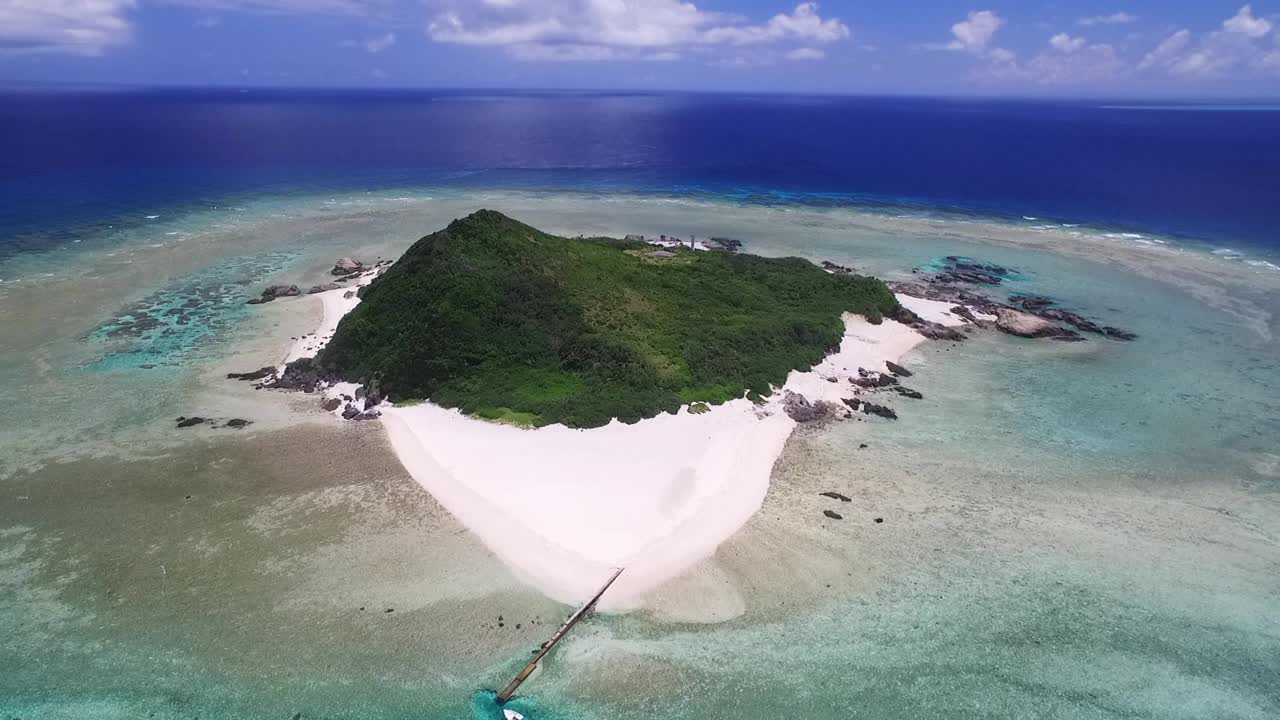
[1088,47]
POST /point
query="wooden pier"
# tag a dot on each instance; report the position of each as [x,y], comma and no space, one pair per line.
[559,634]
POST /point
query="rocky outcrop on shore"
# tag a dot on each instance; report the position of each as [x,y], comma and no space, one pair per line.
[798,408]
[927,328]
[347,266]
[345,269]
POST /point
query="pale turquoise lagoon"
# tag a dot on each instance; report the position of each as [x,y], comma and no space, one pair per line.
[1085,530]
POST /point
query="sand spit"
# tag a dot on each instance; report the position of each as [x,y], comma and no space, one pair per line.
[562,507]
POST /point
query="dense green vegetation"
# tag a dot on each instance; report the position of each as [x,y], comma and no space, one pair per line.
[509,323]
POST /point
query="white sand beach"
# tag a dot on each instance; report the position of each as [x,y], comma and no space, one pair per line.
[562,507]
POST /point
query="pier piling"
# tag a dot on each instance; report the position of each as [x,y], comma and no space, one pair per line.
[559,634]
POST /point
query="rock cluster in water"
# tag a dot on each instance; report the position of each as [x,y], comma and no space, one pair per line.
[1023,315]
[276,291]
[189,422]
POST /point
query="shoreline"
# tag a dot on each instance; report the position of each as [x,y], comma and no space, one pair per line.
[563,507]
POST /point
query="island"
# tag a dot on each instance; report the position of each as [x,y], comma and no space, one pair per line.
[587,404]
[505,322]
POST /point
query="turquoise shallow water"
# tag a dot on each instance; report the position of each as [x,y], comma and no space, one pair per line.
[1069,530]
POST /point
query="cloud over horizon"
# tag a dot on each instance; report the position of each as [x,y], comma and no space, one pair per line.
[1144,45]
[83,27]
[589,30]
[1245,42]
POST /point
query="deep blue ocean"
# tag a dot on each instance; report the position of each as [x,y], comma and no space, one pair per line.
[73,161]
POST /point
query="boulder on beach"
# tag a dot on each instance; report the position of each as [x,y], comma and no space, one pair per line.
[347,266]
[324,287]
[798,408]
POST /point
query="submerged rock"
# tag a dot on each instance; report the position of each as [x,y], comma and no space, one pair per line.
[836,496]
[909,393]
[331,404]
[186,422]
[880,410]
[238,423]
[964,270]
[259,374]
[1031,302]
[833,514]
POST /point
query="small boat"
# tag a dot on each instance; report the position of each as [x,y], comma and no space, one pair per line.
[511,715]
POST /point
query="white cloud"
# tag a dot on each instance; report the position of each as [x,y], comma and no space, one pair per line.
[974,33]
[1167,52]
[319,7]
[1119,18]
[806,53]
[803,23]
[1246,24]
[1062,42]
[1066,61]
[1002,55]
[84,27]
[615,29]
[1241,45]
[380,43]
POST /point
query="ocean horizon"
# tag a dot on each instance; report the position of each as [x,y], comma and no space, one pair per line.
[108,158]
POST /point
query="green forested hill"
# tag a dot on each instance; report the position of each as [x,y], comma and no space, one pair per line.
[506,322]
